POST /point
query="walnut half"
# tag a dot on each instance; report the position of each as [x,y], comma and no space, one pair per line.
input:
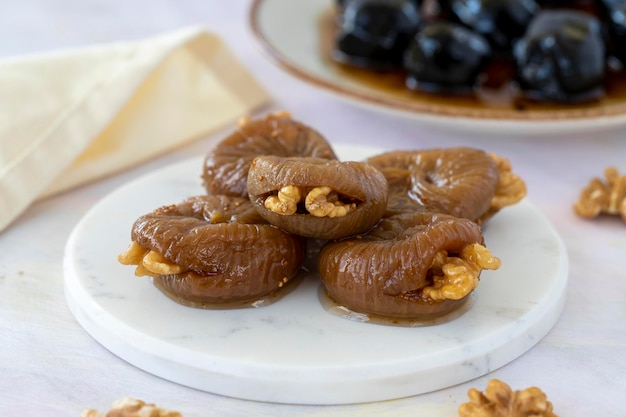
[319,201]
[499,400]
[603,196]
[130,407]
[511,188]
[459,274]
[149,262]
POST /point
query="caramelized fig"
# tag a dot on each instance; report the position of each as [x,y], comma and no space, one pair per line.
[226,166]
[317,198]
[457,181]
[374,33]
[213,250]
[445,57]
[389,271]
[562,57]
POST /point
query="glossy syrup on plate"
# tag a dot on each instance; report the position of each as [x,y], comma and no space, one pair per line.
[496,95]
[263,301]
[335,309]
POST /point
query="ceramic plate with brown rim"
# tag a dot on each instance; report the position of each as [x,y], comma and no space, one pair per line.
[299,37]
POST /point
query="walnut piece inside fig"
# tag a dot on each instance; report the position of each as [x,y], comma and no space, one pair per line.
[318,201]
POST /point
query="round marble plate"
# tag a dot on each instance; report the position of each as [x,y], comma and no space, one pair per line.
[295,351]
[291,33]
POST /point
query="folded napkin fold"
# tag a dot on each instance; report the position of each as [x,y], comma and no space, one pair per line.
[70,117]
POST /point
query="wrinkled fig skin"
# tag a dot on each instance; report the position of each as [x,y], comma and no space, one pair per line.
[382,272]
[230,260]
[226,166]
[457,181]
[501,22]
[562,57]
[356,180]
[374,33]
[445,57]
[214,209]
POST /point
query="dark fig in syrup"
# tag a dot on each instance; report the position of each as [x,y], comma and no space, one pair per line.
[374,33]
[445,57]
[562,57]
[563,3]
[614,15]
[501,22]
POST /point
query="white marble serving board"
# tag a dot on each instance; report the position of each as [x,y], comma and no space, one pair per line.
[295,351]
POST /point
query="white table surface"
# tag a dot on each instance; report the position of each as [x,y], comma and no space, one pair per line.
[49,366]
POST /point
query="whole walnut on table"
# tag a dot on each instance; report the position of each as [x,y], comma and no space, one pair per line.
[130,407]
[607,197]
[499,400]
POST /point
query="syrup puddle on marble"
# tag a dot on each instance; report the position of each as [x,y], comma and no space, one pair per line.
[341,311]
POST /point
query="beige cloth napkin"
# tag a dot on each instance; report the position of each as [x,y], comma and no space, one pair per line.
[71,117]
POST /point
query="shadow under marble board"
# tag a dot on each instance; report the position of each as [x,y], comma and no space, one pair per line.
[294,350]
